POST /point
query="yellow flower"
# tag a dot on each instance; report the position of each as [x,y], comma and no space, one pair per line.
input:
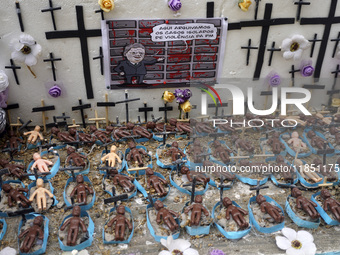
[168,96]
[186,106]
[244,5]
[106,5]
[336,102]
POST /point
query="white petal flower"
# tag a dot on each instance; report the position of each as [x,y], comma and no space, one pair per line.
[3,81]
[296,243]
[177,247]
[294,47]
[25,50]
[75,252]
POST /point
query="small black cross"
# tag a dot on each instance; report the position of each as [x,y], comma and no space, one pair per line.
[216,135]
[71,169]
[216,106]
[178,163]
[52,9]
[165,134]
[52,59]
[248,48]
[333,91]
[154,119]
[24,125]
[272,50]
[336,44]
[257,2]
[193,187]
[37,174]
[300,3]
[81,107]
[101,56]
[101,13]
[74,204]
[165,109]
[221,187]
[292,72]
[145,109]
[63,117]
[324,152]
[21,213]
[115,199]
[126,101]
[313,41]
[17,7]
[258,188]
[14,67]
[221,116]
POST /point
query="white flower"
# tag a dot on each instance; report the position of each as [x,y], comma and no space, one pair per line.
[293,47]
[296,243]
[75,252]
[25,50]
[3,81]
[177,247]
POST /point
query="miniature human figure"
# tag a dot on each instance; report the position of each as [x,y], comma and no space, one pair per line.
[80,189]
[287,175]
[196,209]
[77,158]
[14,169]
[139,130]
[307,173]
[156,182]
[15,194]
[33,135]
[112,157]
[121,221]
[134,64]
[174,152]
[191,174]
[196,150]
[211,168]
[81,136]
[166,215]
[41,164]
[40,194]
[236,212]
[183,127]
[316,141]
[296,142]
[121,132]
[335,132]
[275,143]
[305,204]
[201,127]
[31,234]
[159,127]
[226,127]
[101,135]
[242,144]
[75,222]
[13,140]
[221,151]
[272,210]
[135,154]
[62,136]
[325,171]
[331,204]
[122,180]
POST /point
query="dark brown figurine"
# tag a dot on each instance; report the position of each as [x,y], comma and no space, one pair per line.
[316,141]
[287,175]
[174,152]
[305,204]
[211,168]
[139,130]
[221,151]
[242,144]
[236,212]
[272,210]
[334,131]
[159,127]
[14,169]
[201,127]
[195,150]
[121,221]
[136,154]
[183,127]
[330,204]
[15,194]
[156,182]
[191,174]
[121,132]
[81,189]
[75,221]
[77,158]
[325,171]
[82,136]
[122,180]
[275,143]
[31,234]
[166,215]
[196,209]
[62,136]
[101,135]
[14,140]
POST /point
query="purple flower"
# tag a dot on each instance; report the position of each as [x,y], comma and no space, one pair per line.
[175,5]
[275,80]
[182,95]
[307,71]
[187,94]
[55,91]
[217,252]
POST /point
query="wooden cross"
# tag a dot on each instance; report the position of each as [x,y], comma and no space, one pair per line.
[96,119]
[81,107]
[14,69]
[106,104]
[74,125]
[325,184]
[145,109]
[52,59]
[248,48]
[8,111]
[43,109]
[17,124]
[51,9]
[300,3]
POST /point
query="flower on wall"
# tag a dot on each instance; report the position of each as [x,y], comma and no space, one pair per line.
[168,97]
[244,5]
[3,89]
[306,68]
[25,50]
[106,5]
[182,97]
[175,5]
[177,247]
[273,79]
[294,47]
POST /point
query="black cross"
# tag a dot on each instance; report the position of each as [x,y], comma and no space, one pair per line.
[115,199]
[257,2]
[327,22]
[221,187]
[101,56]
[292,72]
[165,109]
[17,7]
[210,9]
[165,134]
[101,13]
[336,44]
[74,204]
[324,152]
[37,174]
[272,50]
[21,213]
[2,172]
[313,41]
[193,187]
[266,23]
[145,109]
[155,120]
[216,135]
[81,107]
[313,86]
[258,188]
[71,169]
[178,163]
[63,117]
[248,48]
[216,106]
[300,3]
[24,125]
[82,34]
[333,91]
[52,59]
[52,9]
[126,101]
[14,67]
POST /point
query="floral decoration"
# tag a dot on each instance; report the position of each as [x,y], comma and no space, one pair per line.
[106,5]
[55,91]
[306,68]
[177,247]
[168,97]
[175,5]
[294,47]
[274,80]
[216,252]
[244,5]
[3,89]
[182,97]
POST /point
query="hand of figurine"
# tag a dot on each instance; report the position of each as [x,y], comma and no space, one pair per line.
[158,221]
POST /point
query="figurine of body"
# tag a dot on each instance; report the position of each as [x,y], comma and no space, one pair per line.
[122,180]
[75,157]
[196,150]
[166,215]
[330,204]
[41,164]
[316,141]
[62,136]
[136,154]
[201,127]
[272,210]
[208,165]
[275,143]
[139,130]
[14,169]
[307,173]
[75,222]
[242,144]
[159,127]
[305,204]
[236,212]
[80,189]
[191,174]
[33,135]
[81,136]
[296,142]
[174,152]
[15,194]
[335,132]
[101,135]
[156,182]
[14,140]
[120,133]
[183,127]
[31,234]
[197,208]
[40,194]
[221,151]
[325,171]
[287,175]
[111,157]
[121,221]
